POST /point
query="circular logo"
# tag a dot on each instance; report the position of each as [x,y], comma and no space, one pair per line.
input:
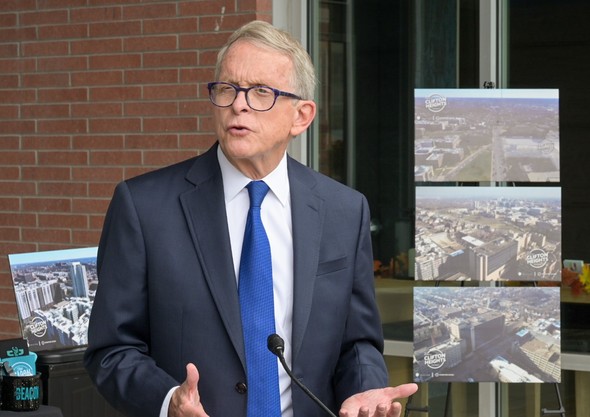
[435,103]
[22,369]
[546,147]
[435,359]
[38,327]
[537,258]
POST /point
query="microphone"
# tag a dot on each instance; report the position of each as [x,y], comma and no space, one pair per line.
[276,345]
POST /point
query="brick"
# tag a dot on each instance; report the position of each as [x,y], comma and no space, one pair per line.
[47,235]
[63,63]
[101,189]
[17,157]
[95,14]
[8,20]
[115,158]
[98,142]
[18,188]
[96,78]
[115,125]
[78,31]
[53,205]
[19,96]
[170,59]
[40,111]
[41,18]
[163,158]
[62,158]
[63,188]
[8,50]
[151,109]
[115,93]
[62,126]
[166,92]
[91,205]
[97,110]
[198,75]
[18,219]
[64,221]
[96,46]
[9,173]
[57,48]
[200,141]
[151,76]
[7,293]
[8,112]
[125,28]
[97,220]
[149,11]
[203,41]
[195,108]
[176,124]
[10,233]
[18,34]
[258,6]
[9,322]
[225,25]
[67,95]
[131,172]
[175,25]
[86,237]
[208,58]
[46,173]
[113,174]
[9,204]
[9,81]
[156,141]
[62,4]
[10,142]
[203,8]
[46,142]
[46,80]
[20,65]
[150,43]
[115,61]
[17,126]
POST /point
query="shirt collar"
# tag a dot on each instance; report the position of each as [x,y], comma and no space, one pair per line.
[234,181]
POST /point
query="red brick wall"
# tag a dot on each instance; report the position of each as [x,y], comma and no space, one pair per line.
[92,92]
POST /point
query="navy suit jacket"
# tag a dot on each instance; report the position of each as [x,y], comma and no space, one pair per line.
[167,293]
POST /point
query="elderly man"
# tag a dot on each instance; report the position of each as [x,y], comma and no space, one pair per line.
[183,309]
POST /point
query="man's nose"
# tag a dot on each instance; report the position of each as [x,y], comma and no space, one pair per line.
[240,103]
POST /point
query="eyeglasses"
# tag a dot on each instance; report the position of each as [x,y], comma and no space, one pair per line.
[258,97]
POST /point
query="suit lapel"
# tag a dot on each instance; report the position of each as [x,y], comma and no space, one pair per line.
[204,208]
[307,214]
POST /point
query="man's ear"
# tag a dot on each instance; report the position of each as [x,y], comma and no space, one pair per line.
[304,115]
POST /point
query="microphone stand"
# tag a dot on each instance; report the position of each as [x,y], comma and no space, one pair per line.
[277,345]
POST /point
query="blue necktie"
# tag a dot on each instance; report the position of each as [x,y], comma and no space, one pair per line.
[257,308]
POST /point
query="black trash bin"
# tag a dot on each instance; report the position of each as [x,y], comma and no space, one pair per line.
[66,385]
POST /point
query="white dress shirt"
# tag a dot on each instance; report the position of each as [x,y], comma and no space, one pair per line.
[276,217]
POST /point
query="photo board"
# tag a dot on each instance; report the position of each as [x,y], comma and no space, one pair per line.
[54,293]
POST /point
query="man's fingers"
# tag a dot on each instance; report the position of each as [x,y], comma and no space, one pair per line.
[192,376]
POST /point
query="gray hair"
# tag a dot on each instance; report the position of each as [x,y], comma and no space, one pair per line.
[266,35]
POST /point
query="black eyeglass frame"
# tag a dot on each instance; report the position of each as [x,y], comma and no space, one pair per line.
[246,90]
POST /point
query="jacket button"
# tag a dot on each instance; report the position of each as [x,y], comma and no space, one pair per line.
[241,387]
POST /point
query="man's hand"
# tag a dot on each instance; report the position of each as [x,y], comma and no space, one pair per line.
[377,402]
[186,401]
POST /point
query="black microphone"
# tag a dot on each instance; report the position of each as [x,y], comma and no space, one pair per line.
[276,345]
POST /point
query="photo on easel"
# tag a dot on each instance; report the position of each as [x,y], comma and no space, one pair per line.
[464,135]
[54,293]
[488,233]
[487,334]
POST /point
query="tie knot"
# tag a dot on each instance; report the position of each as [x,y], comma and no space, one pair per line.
[257,191]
